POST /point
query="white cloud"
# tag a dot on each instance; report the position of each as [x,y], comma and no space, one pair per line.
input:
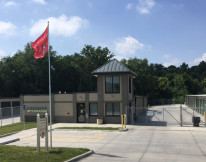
[172,61]
[40,1]
[127,45]
[144,6]
[200,59]
[166,56]
[10,3]
[62,25]
[129,6]
[119,58]
[7,28]
[2,54]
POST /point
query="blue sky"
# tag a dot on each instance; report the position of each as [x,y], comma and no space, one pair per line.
[169,32]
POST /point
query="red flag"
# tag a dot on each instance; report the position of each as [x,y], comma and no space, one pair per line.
[40,46]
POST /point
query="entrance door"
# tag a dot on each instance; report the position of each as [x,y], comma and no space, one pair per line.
[81,113]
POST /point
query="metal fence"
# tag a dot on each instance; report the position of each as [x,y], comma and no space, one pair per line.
[135,114]
[156,102]
[195,112]
[9,115]
[166,115]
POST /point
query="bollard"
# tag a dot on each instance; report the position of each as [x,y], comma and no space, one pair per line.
[181,115]
[122,121]
[125,117]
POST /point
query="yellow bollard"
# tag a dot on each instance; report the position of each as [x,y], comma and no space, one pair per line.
[125,121]
[122,121]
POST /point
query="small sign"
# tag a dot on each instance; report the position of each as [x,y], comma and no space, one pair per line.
[24,107]
[38,109]
[150,113]
[42,130]
[159,113]
[42,127]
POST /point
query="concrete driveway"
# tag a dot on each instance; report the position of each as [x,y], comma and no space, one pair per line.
[139,143]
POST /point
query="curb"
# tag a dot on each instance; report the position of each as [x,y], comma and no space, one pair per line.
[7,142]
[86,130]
[80,156]
[5,135]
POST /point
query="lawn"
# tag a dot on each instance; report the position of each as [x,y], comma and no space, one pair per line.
[16,127]
[25,154]
[90,128]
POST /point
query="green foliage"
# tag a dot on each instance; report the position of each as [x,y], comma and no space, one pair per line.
[25,154]
[16,127]
[22,74]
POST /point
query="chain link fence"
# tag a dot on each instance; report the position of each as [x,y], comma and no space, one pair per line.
[166,115]
[156,102]
[9,115]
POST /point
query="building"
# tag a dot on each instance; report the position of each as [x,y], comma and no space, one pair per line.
[114,94]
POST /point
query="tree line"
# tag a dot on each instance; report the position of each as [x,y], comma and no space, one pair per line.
[22,74]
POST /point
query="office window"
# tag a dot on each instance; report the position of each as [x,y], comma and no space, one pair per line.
[130,85]
[112,109]
[108,84]
[93,109]
[112,84]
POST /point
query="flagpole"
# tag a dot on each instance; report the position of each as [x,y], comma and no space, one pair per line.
[50,92]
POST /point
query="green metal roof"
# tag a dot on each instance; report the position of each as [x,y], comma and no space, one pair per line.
[111,67]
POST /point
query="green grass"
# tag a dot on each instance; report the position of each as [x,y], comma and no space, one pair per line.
[16,127]
[90,128]
[25,154]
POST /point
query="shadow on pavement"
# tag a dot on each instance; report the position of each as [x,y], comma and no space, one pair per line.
[108,155]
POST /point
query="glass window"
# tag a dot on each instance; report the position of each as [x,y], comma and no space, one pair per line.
[109,109]
[130,85]
[108,84]
[93,109]
[116,108]
[116,85]
[112,109]
[112,84]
